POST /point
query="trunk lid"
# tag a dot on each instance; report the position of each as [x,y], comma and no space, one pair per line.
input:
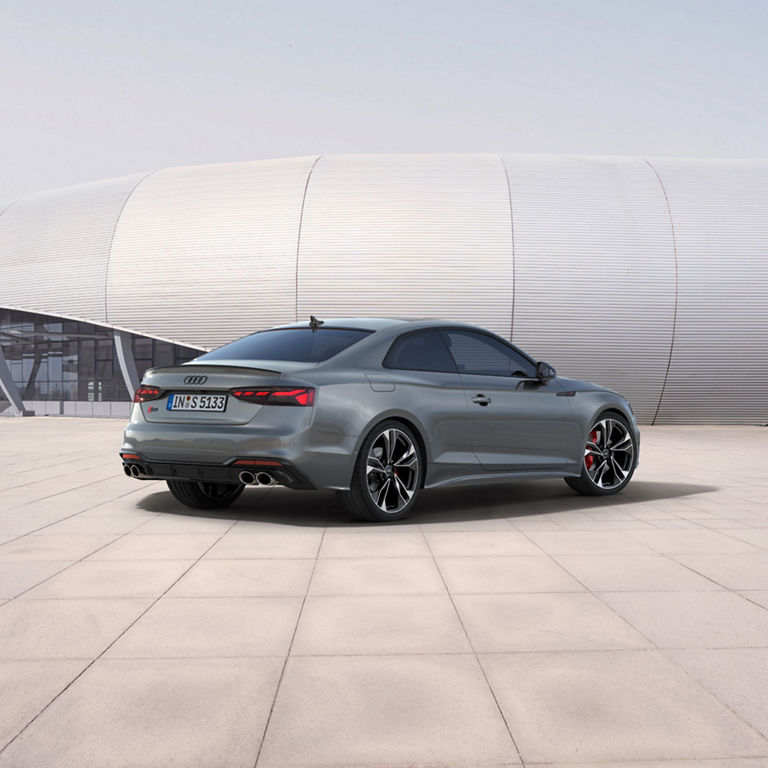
[188,381]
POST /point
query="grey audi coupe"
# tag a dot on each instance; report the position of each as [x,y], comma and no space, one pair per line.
[375,409]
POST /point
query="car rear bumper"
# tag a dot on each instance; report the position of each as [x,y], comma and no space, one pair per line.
[285,474]
[317,459]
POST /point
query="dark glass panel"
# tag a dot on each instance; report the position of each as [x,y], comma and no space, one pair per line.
[163,353]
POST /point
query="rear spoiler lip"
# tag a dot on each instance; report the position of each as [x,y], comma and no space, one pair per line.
[209,368]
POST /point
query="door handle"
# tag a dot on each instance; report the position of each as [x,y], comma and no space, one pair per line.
[481,399]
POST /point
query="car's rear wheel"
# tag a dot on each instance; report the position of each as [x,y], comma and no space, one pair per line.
[387,475]
[609,457]
[201,495]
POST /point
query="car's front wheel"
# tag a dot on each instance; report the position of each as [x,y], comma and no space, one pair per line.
[609,457]
[199,495]
[387,475]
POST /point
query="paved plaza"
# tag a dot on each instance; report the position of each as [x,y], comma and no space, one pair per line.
[500,626]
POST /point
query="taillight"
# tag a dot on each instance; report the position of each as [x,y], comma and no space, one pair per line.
[144,393]
[276,395]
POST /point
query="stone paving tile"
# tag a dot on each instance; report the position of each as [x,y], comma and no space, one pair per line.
[26,688]
[693,619]
[693,541]
[616,705]
[245,578]
[194,713]
[95,524]
[480,543]
[736,762]
[633,573]
[64,547]
[16,578]
[733,571]
[117,579]
[527,622]
[210,627]
[756,596]
[516,560]
[379,625]
[369,543]
[587,542]
[738,677]
[511,574]
[64,629]
[385,710]
[184,524]
[757,537]
[277,544]
[373,576]
[157,547]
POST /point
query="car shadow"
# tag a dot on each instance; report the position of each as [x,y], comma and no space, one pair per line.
[440,505]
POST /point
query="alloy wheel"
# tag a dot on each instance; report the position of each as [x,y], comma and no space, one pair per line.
[392,470]
[609,454]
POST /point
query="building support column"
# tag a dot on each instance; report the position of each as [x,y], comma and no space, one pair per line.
[124,350]
[10,389]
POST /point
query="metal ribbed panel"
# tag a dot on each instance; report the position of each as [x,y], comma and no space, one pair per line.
[719,369]
[54,247]
[205,254]
[594,271]
[407,235]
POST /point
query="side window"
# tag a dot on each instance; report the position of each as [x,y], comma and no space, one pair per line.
[425,351]
[481,354]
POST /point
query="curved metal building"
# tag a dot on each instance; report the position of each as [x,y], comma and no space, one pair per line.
[649,276]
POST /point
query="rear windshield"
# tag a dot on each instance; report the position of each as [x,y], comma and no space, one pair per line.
[301,345]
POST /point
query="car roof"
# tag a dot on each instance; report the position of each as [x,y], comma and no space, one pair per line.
[376,323]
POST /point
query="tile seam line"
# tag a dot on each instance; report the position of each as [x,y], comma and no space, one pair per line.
[268,720]
[35,531]
[677,288]
[474,652]
[121,634]
[73,563]
[298,237]
[114,232]
[658,649]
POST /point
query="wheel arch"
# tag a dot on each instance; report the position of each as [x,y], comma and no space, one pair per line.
[408,421]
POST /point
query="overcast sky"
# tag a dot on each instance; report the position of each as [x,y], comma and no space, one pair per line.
[91,89]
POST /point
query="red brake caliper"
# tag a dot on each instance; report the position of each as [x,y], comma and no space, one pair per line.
[589,459]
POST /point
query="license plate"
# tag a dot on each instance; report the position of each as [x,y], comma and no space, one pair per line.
[184,402]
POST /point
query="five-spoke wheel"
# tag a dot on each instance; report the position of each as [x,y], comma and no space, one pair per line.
[609,457]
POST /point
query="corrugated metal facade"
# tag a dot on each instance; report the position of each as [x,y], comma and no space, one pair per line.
[719,367]
[54,248]
[647,276]
[408,236]
[594,271]
[223,237]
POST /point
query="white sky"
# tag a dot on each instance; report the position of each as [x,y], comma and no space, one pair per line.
[91,89]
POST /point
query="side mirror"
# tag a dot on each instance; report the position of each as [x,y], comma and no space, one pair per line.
[544,371]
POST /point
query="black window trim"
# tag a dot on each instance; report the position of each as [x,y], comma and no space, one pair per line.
[481,332]
[413,333]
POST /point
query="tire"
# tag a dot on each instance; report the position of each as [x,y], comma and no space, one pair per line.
[387,475]
[610,457]
[200,495]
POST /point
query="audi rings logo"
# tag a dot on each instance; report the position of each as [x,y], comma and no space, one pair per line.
[195,379]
